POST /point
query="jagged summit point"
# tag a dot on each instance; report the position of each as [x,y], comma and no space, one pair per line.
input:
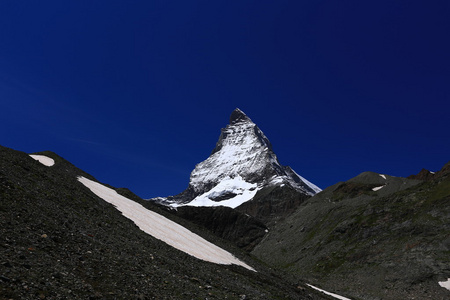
[238,115]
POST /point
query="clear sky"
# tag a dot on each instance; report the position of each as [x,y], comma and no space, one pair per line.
[135,92]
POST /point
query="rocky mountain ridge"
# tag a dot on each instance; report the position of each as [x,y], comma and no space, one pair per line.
[241,164]
[374,236]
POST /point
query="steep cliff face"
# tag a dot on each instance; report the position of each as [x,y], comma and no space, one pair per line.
[241,164]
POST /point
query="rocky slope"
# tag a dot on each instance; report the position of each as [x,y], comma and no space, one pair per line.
[241,229]
[61,241]
[372,237]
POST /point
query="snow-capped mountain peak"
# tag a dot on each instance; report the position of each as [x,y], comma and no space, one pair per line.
[242,150]
[243,156]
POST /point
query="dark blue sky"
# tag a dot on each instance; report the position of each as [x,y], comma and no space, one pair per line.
[135,92]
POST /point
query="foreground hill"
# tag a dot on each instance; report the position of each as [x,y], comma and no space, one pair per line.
[61,241]
[372,237]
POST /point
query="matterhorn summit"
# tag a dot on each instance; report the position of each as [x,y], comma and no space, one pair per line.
[241,164]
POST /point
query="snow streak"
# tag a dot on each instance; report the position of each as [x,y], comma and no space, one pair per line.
[162,228]
[328,293]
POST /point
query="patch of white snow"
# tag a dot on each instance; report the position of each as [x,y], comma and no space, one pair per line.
[162,228]
[45,160]
[328,293]
[378,188]
[384,176]
[243,191]
[445,284]
[277,180]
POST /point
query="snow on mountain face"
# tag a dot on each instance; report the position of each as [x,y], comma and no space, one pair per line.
[242,163]
[230,192]
[242,150]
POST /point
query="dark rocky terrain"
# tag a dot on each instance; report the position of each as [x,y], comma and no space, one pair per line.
[60,241]
[229,224]
[247,224]
[272,204]
[371,237]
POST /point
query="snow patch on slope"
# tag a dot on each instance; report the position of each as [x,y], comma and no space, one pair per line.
[45,160]
[162,228]
[235,191]
[377,188]
[328,293]
[445,284]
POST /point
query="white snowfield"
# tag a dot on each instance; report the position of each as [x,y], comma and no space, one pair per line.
[328,293]
[164,229]
[378,188]
[45,160]
[242,191]
[445,284]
